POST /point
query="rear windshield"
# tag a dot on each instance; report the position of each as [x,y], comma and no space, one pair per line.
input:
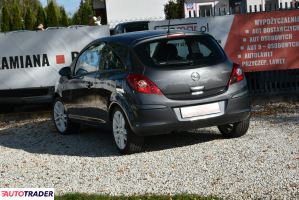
[192,50]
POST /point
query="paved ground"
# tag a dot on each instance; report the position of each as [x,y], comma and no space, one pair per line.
[262,164]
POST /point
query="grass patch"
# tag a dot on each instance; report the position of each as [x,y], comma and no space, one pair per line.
[80,196]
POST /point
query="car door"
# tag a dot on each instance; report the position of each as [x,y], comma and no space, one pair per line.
[112,72]
[79,92]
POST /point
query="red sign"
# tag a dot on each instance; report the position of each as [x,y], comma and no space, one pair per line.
[265,41]
[60,59]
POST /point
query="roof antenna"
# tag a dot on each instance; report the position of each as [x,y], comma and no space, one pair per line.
[168,31]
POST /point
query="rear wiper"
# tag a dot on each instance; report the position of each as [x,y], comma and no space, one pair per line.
[177,62]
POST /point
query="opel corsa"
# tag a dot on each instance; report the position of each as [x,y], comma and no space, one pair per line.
[149,83]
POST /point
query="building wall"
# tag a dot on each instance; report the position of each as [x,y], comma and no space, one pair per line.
[227,6]
[274,4]
[133,10]
[286,1]
[252,3]
[201,7]
[99,7]
[98,4]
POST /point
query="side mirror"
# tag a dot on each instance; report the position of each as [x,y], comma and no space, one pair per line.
[65,71]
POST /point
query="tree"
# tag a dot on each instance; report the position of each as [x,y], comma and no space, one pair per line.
[32,4]
[87,13]
[41,16]
[63,17]
[174,9]
[29,20]
[77,15]
[17,21]
[52,15]
[76,19]
[84,15]
[5,19]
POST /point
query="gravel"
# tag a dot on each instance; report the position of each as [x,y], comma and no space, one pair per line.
[262,164]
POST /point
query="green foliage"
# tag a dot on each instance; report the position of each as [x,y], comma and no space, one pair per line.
[41,16]
[17,21]
[28,14]
[29,20]
[5,19]
[76,19]
[85,13]
[19,14]
[70,20]
[78,196]
[174,9]
[52,15]
[63,17]
[32,4]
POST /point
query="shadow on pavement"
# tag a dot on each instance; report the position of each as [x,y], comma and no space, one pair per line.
[42,138]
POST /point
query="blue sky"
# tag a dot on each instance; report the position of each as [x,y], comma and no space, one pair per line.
[70,5]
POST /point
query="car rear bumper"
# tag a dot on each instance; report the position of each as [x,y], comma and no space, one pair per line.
[166,120]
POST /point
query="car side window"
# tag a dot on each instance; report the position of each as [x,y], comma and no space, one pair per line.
[117,30]
[89,60]
[111,61]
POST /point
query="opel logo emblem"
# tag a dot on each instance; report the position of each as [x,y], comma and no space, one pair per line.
[195,76]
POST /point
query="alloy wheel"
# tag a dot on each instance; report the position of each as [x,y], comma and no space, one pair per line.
[60,116]
[119,130]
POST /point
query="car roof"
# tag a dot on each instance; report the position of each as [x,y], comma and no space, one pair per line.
[134,22]
[135,37]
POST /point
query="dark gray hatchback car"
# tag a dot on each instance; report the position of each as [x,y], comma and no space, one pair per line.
[152,82]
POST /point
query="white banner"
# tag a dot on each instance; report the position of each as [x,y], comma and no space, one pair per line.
[218,26]
[32,59]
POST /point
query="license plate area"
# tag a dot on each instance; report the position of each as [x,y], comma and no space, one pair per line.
[200,110]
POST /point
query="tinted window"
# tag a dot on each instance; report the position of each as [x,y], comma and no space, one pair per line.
[118,29]
[182,51]
[110,60]
[89,60]
[121,50]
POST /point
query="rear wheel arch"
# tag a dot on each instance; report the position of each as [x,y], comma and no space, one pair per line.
[113,105]
[125,139]
[62,117]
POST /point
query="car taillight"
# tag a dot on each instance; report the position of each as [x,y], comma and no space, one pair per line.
[142,84]
[237,74]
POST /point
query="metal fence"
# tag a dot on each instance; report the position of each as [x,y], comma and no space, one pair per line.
[279,82]
[243,9]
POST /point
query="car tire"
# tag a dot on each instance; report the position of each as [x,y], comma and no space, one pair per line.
[235,130]
[61,120]
[126,141]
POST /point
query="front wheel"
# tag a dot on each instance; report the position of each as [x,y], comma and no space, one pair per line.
[126,140]
[61,120]
[235,130]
